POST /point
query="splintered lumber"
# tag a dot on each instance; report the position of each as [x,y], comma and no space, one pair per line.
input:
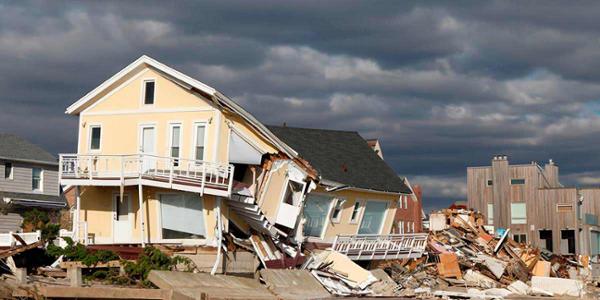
[20,249]
[92,292]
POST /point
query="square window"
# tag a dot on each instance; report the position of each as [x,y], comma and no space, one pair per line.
[489,182]
[518,213]
[149,87]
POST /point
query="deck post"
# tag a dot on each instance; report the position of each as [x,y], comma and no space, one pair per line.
[142,212]
[77,214]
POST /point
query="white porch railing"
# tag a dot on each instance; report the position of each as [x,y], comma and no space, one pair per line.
[146,166]
[8,240]
[373,246]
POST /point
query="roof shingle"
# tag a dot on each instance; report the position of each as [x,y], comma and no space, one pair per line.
[15,148]
[343,157]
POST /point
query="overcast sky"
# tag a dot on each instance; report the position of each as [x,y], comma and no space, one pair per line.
[443,86]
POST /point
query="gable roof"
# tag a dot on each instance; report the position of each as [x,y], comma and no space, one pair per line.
[186,82]
[13,147]
[343,157]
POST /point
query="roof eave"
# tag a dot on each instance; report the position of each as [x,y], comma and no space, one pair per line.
[33,161]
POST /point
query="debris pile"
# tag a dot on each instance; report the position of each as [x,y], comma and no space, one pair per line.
[461,252]
[339,275]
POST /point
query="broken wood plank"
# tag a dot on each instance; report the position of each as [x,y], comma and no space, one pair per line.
[79,264]
[11,252]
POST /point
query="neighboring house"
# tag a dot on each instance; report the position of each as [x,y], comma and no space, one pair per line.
[163,158]
[409,213]
[529,200]
[28,179]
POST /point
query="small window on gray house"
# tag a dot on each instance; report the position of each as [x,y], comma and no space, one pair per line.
[149,92]
[8,170]
[36,179]
[517,181]
[96,133]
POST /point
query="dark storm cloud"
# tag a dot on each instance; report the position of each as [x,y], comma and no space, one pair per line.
[443,85]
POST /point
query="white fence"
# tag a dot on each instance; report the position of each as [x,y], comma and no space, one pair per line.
[373,246]
[8,240]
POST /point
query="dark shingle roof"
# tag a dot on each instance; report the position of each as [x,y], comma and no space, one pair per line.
[343,157]
[14,147]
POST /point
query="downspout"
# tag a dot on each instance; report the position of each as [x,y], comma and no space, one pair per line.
[219,237]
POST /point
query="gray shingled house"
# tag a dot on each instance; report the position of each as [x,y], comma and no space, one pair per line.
[28,179]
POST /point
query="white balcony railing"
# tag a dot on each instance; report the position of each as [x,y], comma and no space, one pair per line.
[374,246]
[169,170]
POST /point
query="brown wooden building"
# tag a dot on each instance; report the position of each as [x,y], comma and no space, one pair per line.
[530,201]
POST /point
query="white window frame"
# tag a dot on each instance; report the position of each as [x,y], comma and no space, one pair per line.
[340,201]
[170,138]
[90,129]
[196,125]
[405,201]
[182,241]
[358,211]
[490,216]
[130,214]
[400,201]
[143,92]
[41,189]
[329,212]
[518,220]
[385,213]
[12,170]
[401,227]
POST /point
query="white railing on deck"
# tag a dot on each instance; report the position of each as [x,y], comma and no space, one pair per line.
[8,240]
[373,246]
[169,169]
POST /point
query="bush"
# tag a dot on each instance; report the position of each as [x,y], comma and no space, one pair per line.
[78,252]
[152,259]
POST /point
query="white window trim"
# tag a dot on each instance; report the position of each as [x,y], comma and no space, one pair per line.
[196,125]
[385,213]
[131,214]
[143,92]
[41,189]
[519,220]
[173,124]
[182,241]
[405,201]
[358,212]
[141,128]
[401,227]
[341,201]
[89,139]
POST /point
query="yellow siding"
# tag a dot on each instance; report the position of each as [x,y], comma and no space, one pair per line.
[345,226]
[271,197]
[97,211]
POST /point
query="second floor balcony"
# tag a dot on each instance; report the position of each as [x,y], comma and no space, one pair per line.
[166,172]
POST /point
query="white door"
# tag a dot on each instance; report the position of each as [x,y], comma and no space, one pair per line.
[122,219]
[147,147]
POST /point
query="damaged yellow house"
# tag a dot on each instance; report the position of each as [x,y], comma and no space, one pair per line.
[164,158]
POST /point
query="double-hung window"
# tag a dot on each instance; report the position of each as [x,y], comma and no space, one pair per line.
[200,133]
[175,147]
[36,179]
[95,137]
[149,92]
[355,212]
[518,213]
[337,210]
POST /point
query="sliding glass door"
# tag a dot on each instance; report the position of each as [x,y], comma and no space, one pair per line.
[373,217]
[316,211]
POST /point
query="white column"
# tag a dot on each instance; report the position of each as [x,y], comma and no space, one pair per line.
[142,213]
[77,215]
